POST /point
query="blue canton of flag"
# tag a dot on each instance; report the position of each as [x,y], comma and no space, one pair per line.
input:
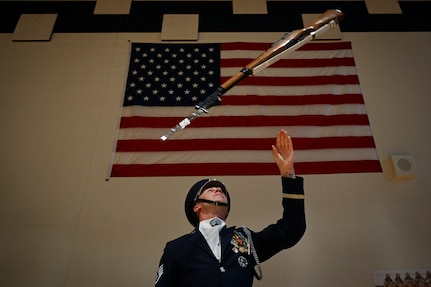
[174,75]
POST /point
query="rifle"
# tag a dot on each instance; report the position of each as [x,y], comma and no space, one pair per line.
[288,43]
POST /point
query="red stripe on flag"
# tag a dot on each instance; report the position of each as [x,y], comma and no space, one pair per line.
[298,81]
[293,100]
[308,47]
[293,63]
[245,121]
[327,46]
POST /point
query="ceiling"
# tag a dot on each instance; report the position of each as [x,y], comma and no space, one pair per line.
[217,16]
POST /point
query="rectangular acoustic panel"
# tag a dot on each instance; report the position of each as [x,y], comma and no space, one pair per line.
[177,27]
[34,27]
[333,34]
[383,7]
[249,7]
[112,7]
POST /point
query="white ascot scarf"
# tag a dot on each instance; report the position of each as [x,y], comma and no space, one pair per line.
[210,229]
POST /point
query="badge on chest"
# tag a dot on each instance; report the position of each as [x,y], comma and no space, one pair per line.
[240,242]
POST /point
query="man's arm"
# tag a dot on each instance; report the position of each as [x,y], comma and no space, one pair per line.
[290,228]
[166,271]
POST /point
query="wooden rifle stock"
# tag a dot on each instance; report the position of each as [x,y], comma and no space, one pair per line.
[288,43]
[281,45]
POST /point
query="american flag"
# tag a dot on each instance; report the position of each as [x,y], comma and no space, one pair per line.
[313,93]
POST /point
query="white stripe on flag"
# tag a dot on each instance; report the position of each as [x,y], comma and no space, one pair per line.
[249,110]
[215,156]
[248,132]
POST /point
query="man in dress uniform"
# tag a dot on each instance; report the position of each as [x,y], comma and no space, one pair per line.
[214,255]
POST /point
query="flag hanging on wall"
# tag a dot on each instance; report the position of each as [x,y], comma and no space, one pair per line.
[313,93]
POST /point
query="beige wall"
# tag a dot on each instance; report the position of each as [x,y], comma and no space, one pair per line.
[62,224]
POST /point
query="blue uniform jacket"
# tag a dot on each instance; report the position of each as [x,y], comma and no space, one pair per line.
[189,261]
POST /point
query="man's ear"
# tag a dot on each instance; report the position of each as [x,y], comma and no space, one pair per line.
[196,208]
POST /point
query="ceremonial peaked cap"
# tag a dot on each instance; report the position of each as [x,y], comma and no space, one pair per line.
[195,191]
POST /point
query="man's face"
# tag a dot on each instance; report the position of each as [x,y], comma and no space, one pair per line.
[214,194]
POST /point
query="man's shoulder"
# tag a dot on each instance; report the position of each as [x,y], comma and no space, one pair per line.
[182,238]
